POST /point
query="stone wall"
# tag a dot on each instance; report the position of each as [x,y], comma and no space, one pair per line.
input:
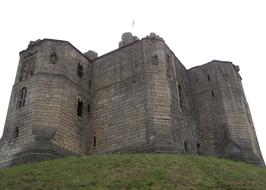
[138,98]
[224,124]
[118,109]
[171,123]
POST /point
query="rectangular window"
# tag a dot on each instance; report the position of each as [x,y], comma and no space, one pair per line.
[80,70]
[94,141]
[209,78]
[88,108]
[79,109]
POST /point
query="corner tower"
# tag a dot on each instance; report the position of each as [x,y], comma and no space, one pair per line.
[46,116]
[224,123]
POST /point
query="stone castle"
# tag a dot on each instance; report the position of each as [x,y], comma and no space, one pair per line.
[137,98]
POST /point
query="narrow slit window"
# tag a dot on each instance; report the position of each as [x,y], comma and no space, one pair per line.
[198,148]
[22,97]
[212,94]
[186,146]
[94,141]
[209,78]
[80,70]
[79,109]
[180,96]
[89,83]
[16,133]
[89,108]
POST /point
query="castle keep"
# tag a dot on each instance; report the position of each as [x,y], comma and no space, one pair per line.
[137,98]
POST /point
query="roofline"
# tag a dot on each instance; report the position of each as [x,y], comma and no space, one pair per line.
[212,61]
[55,40]
[145,38]
[116,50]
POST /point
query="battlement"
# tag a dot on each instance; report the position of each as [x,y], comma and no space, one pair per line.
[137,98]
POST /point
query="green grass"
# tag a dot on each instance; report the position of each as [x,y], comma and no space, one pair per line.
[134,171]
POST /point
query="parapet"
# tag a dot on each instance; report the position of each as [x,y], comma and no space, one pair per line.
[127,38]
[154,36]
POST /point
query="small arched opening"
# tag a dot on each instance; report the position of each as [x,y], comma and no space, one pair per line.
[186,146]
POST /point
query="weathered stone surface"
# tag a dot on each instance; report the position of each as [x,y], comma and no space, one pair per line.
[138,98]
[91,55]
[127,38]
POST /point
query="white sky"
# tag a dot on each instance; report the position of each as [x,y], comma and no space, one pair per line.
[197,31]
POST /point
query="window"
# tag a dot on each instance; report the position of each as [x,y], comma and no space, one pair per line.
[53,57]
[22,97]
[209,78]
[80,70]
[79,109]
[94,141]
[90,84]
[180,96]
[16,132]
[186,146]
[27,65]
[198,148]
[212,94]
[88,108]
[155,60]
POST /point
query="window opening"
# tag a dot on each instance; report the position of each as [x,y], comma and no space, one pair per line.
[186,146]
[89,83]
[198,148]
[94,141]
[209,78]
[79,110]
[22,97]
[80,70]
[16,132]
[88,108]
[180,96]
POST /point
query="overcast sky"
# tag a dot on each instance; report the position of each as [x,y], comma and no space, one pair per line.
[197,31]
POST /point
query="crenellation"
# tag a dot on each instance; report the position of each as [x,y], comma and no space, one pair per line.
[137,98]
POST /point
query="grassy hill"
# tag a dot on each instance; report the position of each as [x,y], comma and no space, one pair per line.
[136,171]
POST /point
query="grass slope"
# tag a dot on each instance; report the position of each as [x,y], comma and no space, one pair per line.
[136,171]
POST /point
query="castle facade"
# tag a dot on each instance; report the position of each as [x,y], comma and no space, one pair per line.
[137,98]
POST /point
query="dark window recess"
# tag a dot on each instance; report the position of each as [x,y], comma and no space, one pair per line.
[89,83]
[198,148]
[22,97]
[80,70]
[16,132]
[212,94]
[88,108]
[209,78]
[180,96]
[94,141]
[155,60]
[186,146]
[53,57]
[79,110]
[168,58]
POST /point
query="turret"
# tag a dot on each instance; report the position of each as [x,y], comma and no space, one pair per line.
[47,115]
[224,123]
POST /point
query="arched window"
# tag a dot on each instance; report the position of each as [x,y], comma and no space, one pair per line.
[186,146]
[22,97]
